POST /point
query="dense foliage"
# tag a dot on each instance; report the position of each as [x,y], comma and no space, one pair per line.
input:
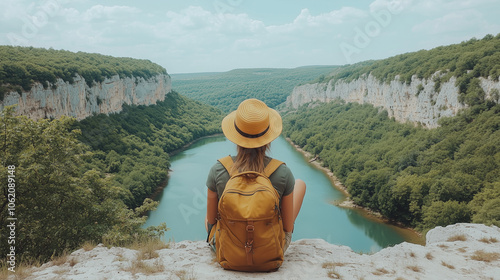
[466,61]
[58,206]
[422,178]
[91,180]
[20,67]
[133,145]
[226,90]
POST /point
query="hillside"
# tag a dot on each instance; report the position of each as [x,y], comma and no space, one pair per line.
[52,83]
[369,124]
[419,87]
[227,89]
[90,181]
[22,67]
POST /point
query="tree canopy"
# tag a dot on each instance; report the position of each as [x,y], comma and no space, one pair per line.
[92,180]
[20,67]
[422,178]
[133,146]
[466,61]
[228,89]
[58,206]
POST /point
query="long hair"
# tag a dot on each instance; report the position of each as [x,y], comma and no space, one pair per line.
[251,159]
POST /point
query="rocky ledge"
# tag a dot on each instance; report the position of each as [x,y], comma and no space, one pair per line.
[460,251]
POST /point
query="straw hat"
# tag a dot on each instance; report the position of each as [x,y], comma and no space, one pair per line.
[252,125]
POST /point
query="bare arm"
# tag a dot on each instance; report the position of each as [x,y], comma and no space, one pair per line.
[287,212]
[212,200]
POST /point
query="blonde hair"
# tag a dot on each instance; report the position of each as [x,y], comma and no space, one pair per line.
[251,159]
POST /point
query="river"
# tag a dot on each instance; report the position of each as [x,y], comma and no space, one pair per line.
[183,201]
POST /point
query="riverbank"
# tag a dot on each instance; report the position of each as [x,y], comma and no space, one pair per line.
[187,145]
[411,234]
[159,189]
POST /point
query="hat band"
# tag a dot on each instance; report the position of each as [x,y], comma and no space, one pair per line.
[250,135]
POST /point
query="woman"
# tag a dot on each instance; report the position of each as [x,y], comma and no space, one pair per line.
[252,127]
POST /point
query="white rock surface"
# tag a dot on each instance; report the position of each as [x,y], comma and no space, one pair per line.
[80,101]
[441,258]
[416,102]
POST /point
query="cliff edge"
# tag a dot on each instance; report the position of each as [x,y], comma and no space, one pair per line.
[460,251]
[80,101]
[416,102]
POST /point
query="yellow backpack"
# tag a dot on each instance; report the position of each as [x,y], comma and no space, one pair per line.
[249,234]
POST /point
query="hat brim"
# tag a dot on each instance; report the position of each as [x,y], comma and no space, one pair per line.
[275,128]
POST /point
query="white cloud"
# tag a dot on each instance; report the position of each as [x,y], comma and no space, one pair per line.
[437,7]
[393,6]
[204,37]
[314,23]
[110,12]
[453,22]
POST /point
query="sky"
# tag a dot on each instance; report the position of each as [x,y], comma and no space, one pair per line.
[221,35]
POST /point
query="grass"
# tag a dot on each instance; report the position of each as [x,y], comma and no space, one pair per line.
[447,265]
[60,260]
[148,249]
[485,256]
[184,275]
[459,237]
[414,268]
[488,240]
[89,245]
[429,256]
[332,264]
[140,266]
[64,258]
[380,271]
[332,273]
[120,258]
[22,271]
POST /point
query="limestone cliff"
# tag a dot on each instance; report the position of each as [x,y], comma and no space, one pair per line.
[417,102]
[80,101]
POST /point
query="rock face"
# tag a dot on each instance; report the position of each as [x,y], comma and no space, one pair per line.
[461,251]
[417,102]
[80,101]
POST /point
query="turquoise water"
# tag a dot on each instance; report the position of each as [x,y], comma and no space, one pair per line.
[183,202]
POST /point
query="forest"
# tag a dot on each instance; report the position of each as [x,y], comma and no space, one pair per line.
[91,181]
[226,90]
[21,67]
[133,146]
[466,61]
[419,177]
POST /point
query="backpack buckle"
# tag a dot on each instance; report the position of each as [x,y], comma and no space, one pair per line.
[250,228]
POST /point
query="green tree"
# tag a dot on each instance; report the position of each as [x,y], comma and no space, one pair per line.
[441,213]
[57,205]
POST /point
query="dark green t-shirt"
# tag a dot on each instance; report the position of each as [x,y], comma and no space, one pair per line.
[282,179]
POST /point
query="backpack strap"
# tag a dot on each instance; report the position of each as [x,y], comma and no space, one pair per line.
[272,166]
[227,162]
